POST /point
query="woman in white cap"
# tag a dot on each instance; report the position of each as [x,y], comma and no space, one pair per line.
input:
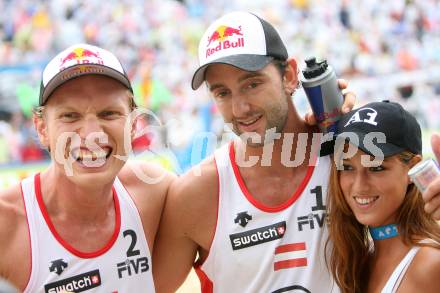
[382,240]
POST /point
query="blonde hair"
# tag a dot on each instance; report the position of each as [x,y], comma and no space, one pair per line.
[348,254]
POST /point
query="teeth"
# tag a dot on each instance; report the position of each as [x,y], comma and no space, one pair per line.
[85,155]
[365,200]
[250,122]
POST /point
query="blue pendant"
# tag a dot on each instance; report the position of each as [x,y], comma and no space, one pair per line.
[384,232]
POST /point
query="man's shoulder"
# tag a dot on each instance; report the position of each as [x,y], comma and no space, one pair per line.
[200,180]
[14,237]
[12,211]
[192,202]
[146,176]
[194,192]
[11,202]
[147,183]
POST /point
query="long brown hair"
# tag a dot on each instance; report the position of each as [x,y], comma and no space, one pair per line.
[349,244]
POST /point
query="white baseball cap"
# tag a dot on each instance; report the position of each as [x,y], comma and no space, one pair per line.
[240,39]
[78,60]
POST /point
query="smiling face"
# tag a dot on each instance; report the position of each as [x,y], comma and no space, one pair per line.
[374,194]
[94,109]
[250,101]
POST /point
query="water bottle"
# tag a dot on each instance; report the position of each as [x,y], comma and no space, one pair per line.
[322,90]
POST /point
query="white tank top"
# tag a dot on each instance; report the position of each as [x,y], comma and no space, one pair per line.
[396,278]
[122,265]
[257,248]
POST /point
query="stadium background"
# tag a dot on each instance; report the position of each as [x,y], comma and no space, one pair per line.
[385,49]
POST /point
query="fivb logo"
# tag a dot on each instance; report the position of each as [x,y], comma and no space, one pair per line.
[132,266]
[361,116]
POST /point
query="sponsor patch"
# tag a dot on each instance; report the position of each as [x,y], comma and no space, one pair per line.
[258,236]
[77,283]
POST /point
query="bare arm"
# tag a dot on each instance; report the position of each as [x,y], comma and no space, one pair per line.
[187,226]
[174,252]
[15,257]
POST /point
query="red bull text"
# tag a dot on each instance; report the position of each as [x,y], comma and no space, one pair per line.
[221,34]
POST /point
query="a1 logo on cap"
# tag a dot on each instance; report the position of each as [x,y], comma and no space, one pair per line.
[366,115]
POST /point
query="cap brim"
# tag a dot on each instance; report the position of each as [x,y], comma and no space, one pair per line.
[248,62]
[81,70]
[388,149]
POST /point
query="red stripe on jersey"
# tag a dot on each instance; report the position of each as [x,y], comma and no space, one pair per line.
[259,205]
[206,284]
[64,243]
[290,247]
[291,263]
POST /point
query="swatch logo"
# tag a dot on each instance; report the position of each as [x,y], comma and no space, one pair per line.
[77,283]
[258,236]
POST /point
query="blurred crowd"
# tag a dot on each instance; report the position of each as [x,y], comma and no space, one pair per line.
[386,49]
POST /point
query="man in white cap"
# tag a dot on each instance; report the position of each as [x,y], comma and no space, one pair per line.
[254,218]
[255,221]
[76,226]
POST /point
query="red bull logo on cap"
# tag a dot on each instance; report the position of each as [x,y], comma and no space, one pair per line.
[81,56]
[222,35]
